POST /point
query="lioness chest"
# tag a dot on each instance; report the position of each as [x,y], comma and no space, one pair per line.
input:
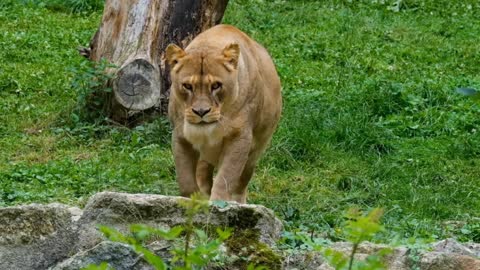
[206,139]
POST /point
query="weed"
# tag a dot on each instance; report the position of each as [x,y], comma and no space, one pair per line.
[195,250]
[357,229]
[370,118]
[90,81]
[73,6]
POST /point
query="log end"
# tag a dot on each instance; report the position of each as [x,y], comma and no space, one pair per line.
[137,86]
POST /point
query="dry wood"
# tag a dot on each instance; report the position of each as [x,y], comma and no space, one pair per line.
[133,36]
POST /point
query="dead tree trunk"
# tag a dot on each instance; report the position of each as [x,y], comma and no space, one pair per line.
[133,36]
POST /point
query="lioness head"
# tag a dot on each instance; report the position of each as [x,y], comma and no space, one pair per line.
[203,80]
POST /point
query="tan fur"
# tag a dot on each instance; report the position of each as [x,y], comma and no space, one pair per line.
[225,104]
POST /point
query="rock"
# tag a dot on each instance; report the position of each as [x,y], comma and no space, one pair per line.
[475,248]
[36,236]
[396,259]
[59,237]
[449,255]
[40,236]
[452,246]
[306,260]
[120,210]
[118,256]
[448,261]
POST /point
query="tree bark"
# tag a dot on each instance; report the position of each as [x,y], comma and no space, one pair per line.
[133,36]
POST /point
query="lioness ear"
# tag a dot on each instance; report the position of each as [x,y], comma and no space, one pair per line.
[231,53]
[173,54]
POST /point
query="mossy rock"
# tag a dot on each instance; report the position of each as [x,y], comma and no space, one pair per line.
[246,218]
[245,244]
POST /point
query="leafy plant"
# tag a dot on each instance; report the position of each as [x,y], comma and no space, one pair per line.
[370,117]
[73,6]
[357,229]
[470,92]
[77,6]
[360,228]
[90,81]
[102,266]
[194,251]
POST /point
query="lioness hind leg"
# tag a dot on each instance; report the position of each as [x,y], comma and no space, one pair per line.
[204,176]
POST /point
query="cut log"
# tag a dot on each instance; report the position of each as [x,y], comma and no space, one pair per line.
[133,36]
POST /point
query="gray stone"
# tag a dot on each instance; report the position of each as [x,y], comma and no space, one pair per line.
[116,255]
[305,260]
[475,248]
[120,210]
[396,259]
[59,237]
[40,236]
[36,236]
[449,256]
[448,261]
[451,245]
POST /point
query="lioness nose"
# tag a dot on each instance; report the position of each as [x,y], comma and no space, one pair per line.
[201,112]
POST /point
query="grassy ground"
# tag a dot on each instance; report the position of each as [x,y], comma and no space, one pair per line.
[371,117]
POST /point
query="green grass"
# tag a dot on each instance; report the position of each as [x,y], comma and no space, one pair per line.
[371,116]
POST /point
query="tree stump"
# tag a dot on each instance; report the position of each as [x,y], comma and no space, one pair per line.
[133,36]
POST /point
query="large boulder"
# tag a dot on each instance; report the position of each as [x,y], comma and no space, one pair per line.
[117,256]
[448,261]
[61,237]
[120,210]
[444,255]
[453,246]
[36,236]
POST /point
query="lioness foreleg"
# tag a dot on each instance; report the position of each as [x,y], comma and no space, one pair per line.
[186,159]
[227,184]
[205,177]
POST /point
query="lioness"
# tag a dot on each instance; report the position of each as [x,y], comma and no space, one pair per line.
[225,103]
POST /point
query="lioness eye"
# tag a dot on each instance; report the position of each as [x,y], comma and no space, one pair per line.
[216,86]
[187,86]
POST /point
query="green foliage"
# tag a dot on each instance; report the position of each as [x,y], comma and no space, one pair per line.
[361,228]
[90,81]
[357,229]
[194,249]
[73,6]
[245,245]
[370,118]
[253,267]
[103,266]
[470,92]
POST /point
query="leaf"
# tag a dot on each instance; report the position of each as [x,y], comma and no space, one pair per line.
[362,228]
[151,258]
[468,91]
[196,259]
[201,234]
[175,232]
[220,204]
[336,258]
[224,234]
[143,231]
[114,235]
[102,266]
[251,266]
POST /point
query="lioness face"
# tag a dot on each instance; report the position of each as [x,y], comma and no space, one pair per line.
[204,80]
